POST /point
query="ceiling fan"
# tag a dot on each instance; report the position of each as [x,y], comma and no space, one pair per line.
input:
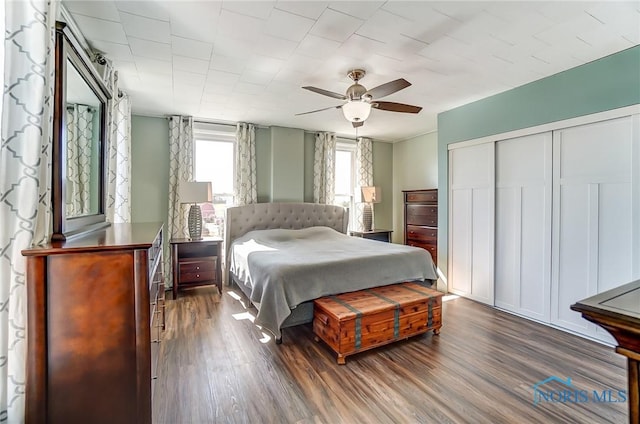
[359,100]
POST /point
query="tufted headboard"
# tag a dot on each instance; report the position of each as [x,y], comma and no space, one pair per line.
[264,216]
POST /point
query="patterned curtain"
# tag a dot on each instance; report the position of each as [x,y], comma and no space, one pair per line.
[180,169]
[364,177]
[119,153]
[80,123]
[324,168]
[245,189]
[27,64]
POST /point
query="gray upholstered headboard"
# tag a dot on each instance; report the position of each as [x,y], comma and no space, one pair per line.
[264,216]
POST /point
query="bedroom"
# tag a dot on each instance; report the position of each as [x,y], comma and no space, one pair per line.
[403,161]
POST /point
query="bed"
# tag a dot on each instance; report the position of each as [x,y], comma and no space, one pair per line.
[282,256]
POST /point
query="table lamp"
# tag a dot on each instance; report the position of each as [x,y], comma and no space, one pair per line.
[370,195]
[194,193]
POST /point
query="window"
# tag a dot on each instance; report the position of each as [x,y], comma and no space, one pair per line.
[213,161]
[345,178]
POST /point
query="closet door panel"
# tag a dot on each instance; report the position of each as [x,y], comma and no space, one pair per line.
[576,246]
[534,251]
[482,287]
[615,238]
[471,222]
[594,222]
[523,225]
[459,247]
[507,264]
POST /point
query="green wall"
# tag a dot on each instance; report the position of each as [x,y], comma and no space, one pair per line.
[608,83]
[383,178]
[263,164]
[415,166]
[149,178]
[287,165]
[309,153]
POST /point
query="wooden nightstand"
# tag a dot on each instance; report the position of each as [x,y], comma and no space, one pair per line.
[380,235]
[196,263]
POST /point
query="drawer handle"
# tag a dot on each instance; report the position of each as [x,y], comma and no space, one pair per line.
[197,275]
[197,267]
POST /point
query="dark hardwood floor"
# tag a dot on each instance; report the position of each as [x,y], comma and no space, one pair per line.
[216,366]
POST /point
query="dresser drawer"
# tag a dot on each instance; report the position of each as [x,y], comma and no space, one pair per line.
[429,247]
[425,234]
[422,215]
[425,196]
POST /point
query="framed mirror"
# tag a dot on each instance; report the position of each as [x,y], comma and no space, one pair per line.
[79,141]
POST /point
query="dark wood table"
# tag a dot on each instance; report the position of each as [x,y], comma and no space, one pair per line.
[196,263]
[618,312]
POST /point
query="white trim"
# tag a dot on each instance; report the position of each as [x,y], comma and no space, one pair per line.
[65,16]
[551,126]
[214,132]
[350,146]
[635,195]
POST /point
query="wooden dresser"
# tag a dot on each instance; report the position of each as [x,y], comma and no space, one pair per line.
[95,317]
[421,220]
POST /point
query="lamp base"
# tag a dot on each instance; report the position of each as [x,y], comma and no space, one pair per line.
[195,222]
[367,217]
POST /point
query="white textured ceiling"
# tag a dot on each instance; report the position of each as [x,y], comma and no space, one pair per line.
[232,61]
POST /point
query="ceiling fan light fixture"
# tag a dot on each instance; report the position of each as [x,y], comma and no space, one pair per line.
[356,110]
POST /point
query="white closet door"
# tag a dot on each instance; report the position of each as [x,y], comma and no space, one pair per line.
[523,225]
[594,223]
[471,222]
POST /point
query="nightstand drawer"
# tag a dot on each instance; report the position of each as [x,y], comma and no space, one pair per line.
[187,267]
[195,277]
[196,271]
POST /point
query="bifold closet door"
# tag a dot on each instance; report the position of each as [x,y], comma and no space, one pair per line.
[471,222]
[595,215]
[523,225]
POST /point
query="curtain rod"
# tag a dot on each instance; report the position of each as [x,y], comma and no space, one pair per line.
[228,124]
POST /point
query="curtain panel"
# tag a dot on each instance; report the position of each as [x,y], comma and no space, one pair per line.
[80,123]
[324,168]
[27,64]
[118,201]
[245,188]
[180,169]
[364,177]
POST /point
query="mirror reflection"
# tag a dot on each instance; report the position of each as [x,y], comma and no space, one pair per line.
[82,146]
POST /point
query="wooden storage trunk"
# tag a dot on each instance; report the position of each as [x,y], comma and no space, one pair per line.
[353,322]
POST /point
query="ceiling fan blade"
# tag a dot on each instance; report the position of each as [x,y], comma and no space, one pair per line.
[388,88]
[396,107]
[319,110]
[358,124]
[326,92]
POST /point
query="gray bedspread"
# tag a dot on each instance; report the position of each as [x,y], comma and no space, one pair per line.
[284,268]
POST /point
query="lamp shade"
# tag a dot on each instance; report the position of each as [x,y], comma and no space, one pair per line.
[194,192]
[371,194]
[356,110]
